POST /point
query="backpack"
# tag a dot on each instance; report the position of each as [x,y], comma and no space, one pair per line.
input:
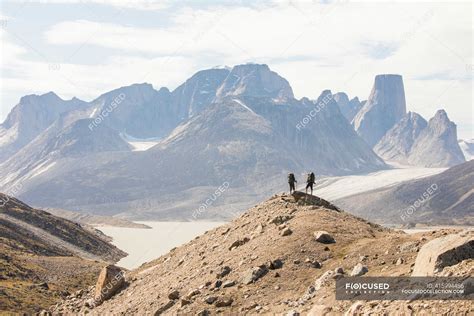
[291,177]
[310,178]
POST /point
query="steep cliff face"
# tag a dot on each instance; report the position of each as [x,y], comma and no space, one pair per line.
[397,144]
[413,141]
[437,145]
[31,116]
[349,108]
[384,108]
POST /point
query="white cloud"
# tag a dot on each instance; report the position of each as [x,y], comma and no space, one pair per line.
[121,4]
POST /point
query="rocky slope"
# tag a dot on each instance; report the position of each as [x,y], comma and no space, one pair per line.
[445,198]
[281,256]
[44,257]
[249,135]
[384,108]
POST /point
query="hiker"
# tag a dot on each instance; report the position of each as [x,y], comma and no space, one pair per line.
[291,182]
[309,182]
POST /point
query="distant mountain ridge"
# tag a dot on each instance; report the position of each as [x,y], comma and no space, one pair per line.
[237,125]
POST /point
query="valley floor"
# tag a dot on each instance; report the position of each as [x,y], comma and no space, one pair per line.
[333,188]
[144,245]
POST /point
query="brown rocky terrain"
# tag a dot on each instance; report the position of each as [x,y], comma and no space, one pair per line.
[44,258]
[280,257]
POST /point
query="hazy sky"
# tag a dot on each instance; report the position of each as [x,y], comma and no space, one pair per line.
[84,48]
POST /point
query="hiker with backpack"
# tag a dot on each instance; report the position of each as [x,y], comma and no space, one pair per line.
[291,182]
[309,182]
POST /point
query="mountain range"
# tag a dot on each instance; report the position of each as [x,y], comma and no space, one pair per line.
[237,126]
[241,128]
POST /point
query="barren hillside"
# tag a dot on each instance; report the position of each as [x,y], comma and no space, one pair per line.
[270,260]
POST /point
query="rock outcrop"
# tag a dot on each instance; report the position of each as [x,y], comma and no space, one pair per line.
[111,280]
[384,108]
[445,251]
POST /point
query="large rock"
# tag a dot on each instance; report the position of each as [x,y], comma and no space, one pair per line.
[384,108]
[359,270]
[111,279]
[324,237]
[444,251]
[254,274]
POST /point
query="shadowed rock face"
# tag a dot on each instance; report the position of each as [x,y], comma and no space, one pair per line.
[384,108]
[349,108]
[31,116]
[443,252]
[414,141]
[396,145]
[437,145]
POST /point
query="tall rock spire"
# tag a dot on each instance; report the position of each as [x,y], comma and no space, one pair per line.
[384,108]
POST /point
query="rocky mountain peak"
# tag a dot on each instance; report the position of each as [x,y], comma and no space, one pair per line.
[384,108]
[349,108]
[255,80]
[197,92]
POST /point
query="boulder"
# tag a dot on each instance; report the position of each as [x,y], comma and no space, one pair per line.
[359,270]
[224,301]
[228,284]
[254,274]
[111,280]
[275,264]
[210,299]
[323,237]
[173,295]
[280,219]
[223,272]
[286,232]
[444,251]
[239,243]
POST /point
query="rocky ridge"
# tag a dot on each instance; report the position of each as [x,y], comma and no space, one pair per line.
[280,257]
